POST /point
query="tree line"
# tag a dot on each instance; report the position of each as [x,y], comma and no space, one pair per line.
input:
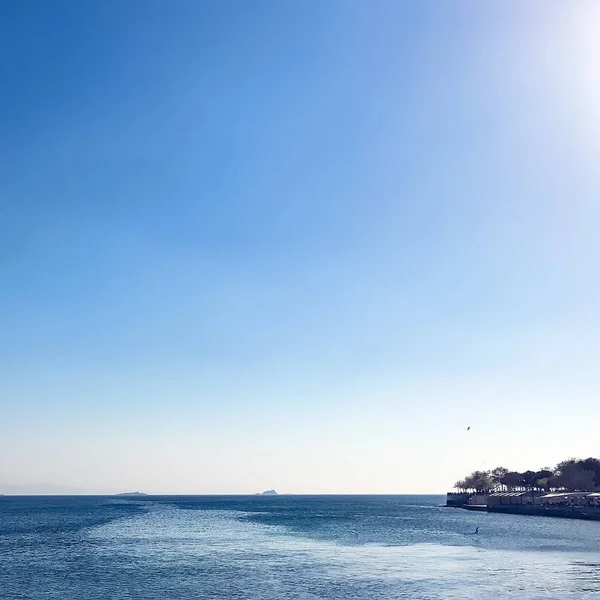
[573,475]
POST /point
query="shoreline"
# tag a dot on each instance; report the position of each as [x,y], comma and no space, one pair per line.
[573,512]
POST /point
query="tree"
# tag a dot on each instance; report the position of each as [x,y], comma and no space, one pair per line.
[543,483]
[512,480]
[529,480]
[483,483]
[572,476]
[543,479]
[592,464]
[479,481]
[461,485]
[497,475]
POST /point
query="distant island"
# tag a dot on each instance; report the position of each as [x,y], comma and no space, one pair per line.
[131,495]
[268,493]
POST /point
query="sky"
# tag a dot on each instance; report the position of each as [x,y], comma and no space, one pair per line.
[296,245]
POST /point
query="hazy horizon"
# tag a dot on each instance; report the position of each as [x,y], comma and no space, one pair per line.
[297,246]
[26,491]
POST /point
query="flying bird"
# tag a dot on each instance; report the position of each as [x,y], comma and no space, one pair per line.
[468,428]
[355,533]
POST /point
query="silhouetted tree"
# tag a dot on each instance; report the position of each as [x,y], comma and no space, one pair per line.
[592,464]
[512,480]
[571,475]
[497,476]
[461,485]
[478,481]
[543,479]
[529,480]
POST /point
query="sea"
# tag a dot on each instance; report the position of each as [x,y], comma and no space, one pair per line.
[287,547]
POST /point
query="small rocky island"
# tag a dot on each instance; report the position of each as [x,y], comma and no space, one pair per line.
[131,495]
[268,493]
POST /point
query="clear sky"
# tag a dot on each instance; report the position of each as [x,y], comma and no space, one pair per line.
[296,245]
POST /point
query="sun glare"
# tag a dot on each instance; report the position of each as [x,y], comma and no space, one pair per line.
[580,74]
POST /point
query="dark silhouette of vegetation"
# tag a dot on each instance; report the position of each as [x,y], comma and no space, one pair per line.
[571,475]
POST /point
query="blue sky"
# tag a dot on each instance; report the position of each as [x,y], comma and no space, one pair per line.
[296,245]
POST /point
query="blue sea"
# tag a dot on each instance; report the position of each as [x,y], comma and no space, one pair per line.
[287,547]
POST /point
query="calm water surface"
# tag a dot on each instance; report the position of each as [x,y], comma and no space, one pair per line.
[287,547]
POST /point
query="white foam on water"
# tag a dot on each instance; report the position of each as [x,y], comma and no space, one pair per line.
[276,563]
